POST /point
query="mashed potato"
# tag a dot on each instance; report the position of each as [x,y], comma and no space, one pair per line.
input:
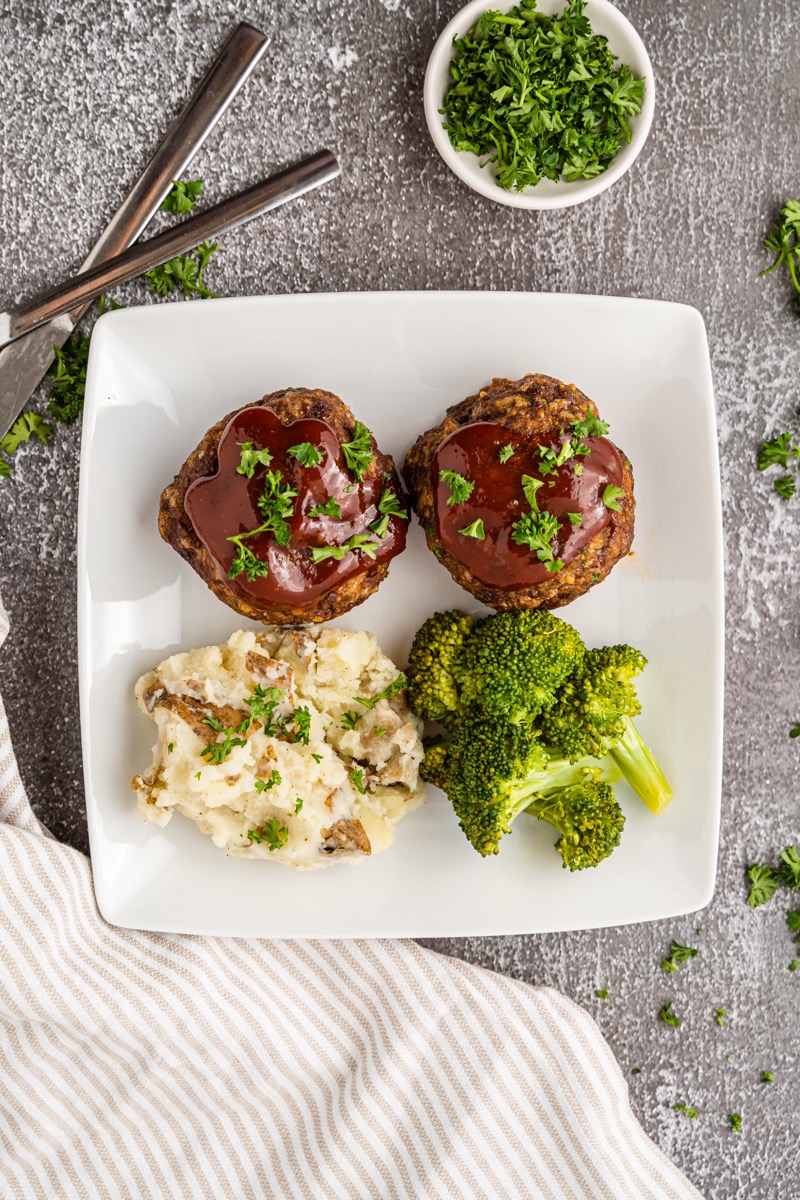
[264,745]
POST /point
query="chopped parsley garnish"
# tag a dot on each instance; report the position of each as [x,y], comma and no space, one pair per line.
[601,993]
[789,868]
[359,541]
[537,530]
[358,451]
[767,1077]
[553,459]
[784,242]
[270,833]
[794,731]
[23,430]
[197,776]
[331,508]
[667,1015]
[763,884]
[684,1108]
[636,1070]
[460,488]
[277,503]
[170,747]
[357,780]
[245,560]
[505,453]
[378,731]
[475,530]
[184,273]
[612,496]
[262,703]
[251,458]
[540,96]
[301,719]
[67,378]
[317,758]
[719,1016]
[794,964]
[590,426]
[298,804]
[530,487]
[393,688]
[182,196]
[388,506]
[785,487]
[351,719]
[217,752]
[777,452]
[263,785]
[306,454]
[736,1122]
[574,518]
[677,954]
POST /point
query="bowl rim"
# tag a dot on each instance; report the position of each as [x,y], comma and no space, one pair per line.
[466,166]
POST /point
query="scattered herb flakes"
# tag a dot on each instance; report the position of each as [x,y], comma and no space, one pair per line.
[218,752]
[397,685]
[767,1077]
[475,530]
[783,241]
[678,954]
[301,720]
[693,1113]
[306,454]
[389,506]
[530,487]
[460,488]
[777,452]
[378,731]
[358,451]
[331,508]
[250,459]
[197,776]
[182,196]
[350,720]
[794,964]
[357,780]
[794,731]
[540,96]
[270,833]
[612,496]
[636,1070]
[184,273]
[317,758]
[359,541]
[601,993]
[785,487]
[574,518]
[67,378]
[263,785]
[262,703]
[668,1016]
[719,1016]
[170,747]
[505,453]
[736,1122]
[763,884]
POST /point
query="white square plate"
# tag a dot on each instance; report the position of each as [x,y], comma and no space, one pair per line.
[160,376]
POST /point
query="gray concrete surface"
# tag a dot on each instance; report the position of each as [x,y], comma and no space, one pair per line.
[84,93]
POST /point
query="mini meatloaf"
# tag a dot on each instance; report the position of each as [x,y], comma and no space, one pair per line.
[521,495]
[287,509]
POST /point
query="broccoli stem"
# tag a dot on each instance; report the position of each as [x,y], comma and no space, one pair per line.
[641,770]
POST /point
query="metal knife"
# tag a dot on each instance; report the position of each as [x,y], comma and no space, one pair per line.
[287,185]
[24,362]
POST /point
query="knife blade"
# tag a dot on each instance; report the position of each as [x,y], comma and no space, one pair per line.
[286,185]
[23,363]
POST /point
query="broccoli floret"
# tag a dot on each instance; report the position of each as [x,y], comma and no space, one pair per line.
[495,769]
[432,690]
[593,715]
[435,765]
[587,816]
[515,661]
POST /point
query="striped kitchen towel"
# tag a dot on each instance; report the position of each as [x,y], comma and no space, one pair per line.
[139,1065]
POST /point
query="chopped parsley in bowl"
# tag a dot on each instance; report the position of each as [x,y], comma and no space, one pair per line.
[541,106]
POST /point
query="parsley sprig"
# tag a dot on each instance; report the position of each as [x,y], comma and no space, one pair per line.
[182,196]
[784,242]
[539,96]
[678,954]
[388,507]
[184,273]
[358,451]
[363,542]
[536,529]
[270,833]
[460,488]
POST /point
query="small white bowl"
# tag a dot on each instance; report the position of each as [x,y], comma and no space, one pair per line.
[623,41]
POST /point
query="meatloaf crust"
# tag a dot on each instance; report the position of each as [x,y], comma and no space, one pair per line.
[175,527]
[532,407]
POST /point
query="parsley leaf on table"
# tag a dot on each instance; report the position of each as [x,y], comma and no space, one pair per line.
[784,242]
[182,196]
[184,273]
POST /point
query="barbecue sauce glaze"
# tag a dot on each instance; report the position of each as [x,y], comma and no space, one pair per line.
[498,500]
[226,503]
